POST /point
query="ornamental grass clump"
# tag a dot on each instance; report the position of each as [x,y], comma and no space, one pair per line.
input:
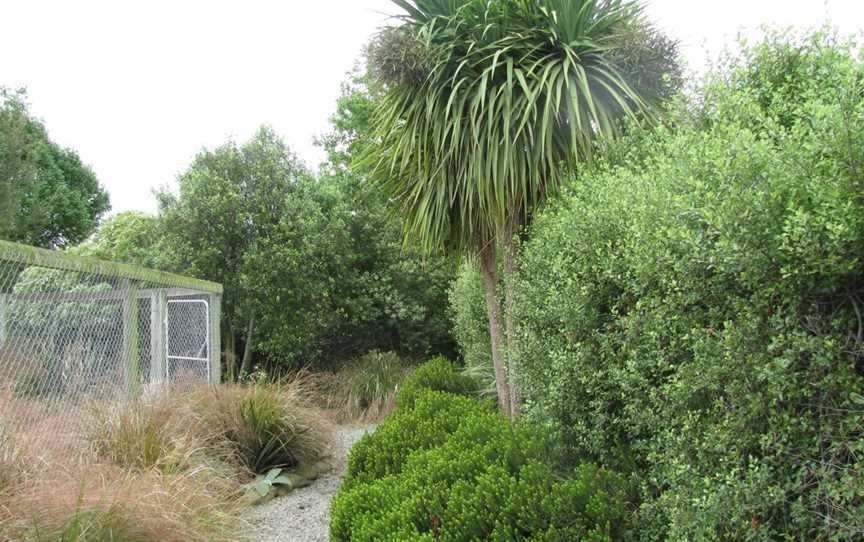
[371,384]
[156,432]
[168,466]
[266,426]
[107,503]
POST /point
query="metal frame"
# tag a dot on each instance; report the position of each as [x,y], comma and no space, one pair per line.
[28,255]
[136,283]
[207,342]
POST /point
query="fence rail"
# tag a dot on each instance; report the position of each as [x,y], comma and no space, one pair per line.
[74,329]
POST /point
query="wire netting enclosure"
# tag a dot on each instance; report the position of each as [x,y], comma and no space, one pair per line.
[75,329]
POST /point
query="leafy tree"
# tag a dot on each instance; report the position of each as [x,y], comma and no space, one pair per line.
[488,107]
[312,268]
[50,198]
[399,295]
[351,125]
[228,200]
[131,237]
[692,313]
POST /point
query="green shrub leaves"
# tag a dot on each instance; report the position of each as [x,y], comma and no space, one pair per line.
[690,313]
[448,467]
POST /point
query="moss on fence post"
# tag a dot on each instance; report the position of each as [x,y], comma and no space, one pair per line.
[131,358]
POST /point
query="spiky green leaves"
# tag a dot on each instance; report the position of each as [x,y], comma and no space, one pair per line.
[515,96]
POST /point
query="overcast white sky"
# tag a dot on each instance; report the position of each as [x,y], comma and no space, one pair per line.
[137,88]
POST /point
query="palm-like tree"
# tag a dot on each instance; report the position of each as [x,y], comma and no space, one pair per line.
[490,104]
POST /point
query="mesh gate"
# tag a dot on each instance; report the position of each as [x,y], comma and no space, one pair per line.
[188,339]
[77,329]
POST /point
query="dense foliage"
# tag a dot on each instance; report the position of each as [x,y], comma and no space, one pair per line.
[49,197]
[447,467]
[470,324]
[439,374]
[313,268]
[691,313]
[129,237]
[489,106]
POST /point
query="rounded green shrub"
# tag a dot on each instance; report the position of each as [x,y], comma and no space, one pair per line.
[435,416]
[691,314]
[436,374]
[451,468]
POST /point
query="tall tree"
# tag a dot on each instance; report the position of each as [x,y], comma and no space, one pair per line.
[489,105]
[400,295]
[49,197]
[228,199]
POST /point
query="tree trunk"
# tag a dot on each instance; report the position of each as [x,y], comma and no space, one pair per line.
[510,269]
[247,348]
[490,281]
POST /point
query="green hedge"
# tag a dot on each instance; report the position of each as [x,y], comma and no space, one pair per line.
[691,314]
[436,374]
[450,468]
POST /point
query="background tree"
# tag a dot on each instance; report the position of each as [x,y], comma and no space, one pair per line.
[312,267]
[227,200]
[130,237]
[488,107]
[50,198]
[399,293]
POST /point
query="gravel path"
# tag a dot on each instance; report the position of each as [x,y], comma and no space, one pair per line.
[304,514]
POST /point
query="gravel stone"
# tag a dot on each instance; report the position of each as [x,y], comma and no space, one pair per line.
[304,514]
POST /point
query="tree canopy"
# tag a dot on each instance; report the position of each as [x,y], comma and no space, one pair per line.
[489,106]
[50,198]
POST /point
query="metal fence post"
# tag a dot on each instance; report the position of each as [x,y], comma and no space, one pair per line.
[215,338]
[158,336]
[131,354]
[3,317]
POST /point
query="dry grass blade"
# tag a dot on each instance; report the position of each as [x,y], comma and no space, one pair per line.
[96,503]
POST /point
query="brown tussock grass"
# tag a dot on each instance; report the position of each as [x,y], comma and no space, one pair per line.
[167,466]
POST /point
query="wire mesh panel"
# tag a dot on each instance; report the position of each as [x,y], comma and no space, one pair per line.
[76,329]
[188,338]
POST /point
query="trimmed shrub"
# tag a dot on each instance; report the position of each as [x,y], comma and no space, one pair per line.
[427,425]
[452,469]
[437,374]
[692,314]
[446,466]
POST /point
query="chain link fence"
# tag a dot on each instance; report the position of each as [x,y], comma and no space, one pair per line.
[76,329]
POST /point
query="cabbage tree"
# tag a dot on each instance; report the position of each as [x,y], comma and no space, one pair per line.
[489,106]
